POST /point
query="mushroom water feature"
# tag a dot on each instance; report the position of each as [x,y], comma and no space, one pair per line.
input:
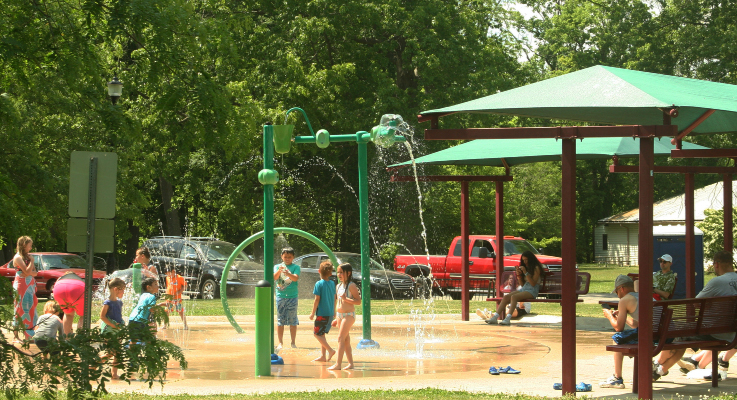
[279,139]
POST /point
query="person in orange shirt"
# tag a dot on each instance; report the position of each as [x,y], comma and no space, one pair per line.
[175,285]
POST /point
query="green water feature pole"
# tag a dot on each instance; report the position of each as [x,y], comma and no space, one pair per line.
[264,319]
[136,278]
[279,138]
[269,177]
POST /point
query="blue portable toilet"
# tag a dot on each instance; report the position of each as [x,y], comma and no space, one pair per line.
[671,239]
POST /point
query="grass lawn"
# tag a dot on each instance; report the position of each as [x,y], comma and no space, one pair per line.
[602,281]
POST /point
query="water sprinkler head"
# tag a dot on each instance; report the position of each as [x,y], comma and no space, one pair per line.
[322,138]
[268,177]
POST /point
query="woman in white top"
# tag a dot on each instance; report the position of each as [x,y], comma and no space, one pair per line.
[346,297]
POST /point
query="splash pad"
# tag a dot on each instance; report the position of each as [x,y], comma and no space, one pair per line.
[278,138]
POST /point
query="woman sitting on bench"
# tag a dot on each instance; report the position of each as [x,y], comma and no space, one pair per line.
[529,273]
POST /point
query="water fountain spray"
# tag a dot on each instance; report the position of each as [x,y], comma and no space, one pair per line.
[279,139]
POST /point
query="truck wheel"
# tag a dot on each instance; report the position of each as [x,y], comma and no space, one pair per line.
[51,289]
[455,295]
[209,290]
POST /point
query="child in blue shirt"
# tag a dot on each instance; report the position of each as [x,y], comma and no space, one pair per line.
[138,320]
[324,308]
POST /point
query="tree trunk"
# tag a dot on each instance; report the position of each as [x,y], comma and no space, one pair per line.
[173,227]
[131,245]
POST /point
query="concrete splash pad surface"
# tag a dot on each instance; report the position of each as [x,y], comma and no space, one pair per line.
[456,356]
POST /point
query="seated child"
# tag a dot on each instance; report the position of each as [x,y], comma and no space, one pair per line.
[49,325]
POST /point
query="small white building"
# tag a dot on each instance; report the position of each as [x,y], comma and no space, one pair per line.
[616,237]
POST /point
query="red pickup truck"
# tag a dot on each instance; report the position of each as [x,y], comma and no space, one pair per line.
[445,270]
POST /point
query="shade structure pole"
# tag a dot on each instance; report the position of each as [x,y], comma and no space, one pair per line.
[465,290]
[499,236]
[727,192]
[568,273]
[690,238]
[645,261]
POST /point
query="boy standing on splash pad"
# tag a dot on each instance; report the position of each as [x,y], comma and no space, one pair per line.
[286,276]
[324,307]
[175,285]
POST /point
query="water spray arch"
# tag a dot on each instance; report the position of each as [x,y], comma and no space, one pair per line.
[248,241]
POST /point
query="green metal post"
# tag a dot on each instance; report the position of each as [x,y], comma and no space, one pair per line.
[263,319]
[364,226]
[269,221]
[136,278]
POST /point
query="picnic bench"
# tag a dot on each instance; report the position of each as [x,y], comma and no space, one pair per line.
[674,319]
[551,287]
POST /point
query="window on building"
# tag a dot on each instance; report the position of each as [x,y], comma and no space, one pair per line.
[604,242]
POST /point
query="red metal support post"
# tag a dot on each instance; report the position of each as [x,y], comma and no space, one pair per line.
[690,238]
[464,251]
[645,261]
[568,253]
[727,192]
[499,236]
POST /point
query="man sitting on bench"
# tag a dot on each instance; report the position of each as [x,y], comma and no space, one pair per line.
[725,284]
[624,287]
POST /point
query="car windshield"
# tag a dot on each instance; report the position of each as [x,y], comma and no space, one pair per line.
[355,261]
[63,261]
[221,251]
[516,246]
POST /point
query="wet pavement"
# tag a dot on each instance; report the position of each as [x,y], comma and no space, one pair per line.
[443,353]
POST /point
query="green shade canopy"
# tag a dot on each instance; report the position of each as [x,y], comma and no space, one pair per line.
[494,152]
[614,96]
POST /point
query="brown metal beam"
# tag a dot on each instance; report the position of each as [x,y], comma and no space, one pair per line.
[645,263]
[705,153]
[430,117]
[693,126]
[453,178]
[568,269]
[678,169]
[558,132]
[465,231]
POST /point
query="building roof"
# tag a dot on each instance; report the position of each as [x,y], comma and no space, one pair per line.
[673,209]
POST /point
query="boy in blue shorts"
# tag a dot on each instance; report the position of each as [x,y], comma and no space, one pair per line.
[286,276]
[324,307]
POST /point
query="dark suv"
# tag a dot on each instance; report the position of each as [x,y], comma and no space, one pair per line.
[200,260]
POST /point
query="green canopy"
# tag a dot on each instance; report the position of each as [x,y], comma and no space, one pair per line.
[614,96]
[494,152]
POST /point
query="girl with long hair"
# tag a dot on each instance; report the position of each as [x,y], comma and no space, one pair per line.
[25,284]
[529,275]
[346,298]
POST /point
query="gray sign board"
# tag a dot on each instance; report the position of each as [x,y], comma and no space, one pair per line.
[79,184]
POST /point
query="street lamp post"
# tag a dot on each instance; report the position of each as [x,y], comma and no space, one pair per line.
[114,89]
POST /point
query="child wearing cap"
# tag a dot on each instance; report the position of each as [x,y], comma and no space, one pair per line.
[664,281]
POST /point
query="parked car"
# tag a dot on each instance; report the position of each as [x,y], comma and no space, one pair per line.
[201,261]
[384,282]
[51,266]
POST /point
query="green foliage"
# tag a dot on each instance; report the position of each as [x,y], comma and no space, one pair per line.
[78,365]
[713,228]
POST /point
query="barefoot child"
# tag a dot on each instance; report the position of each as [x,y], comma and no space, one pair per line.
[347,296]
[324,307]
[286,277]
[111,314]
[175,285]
